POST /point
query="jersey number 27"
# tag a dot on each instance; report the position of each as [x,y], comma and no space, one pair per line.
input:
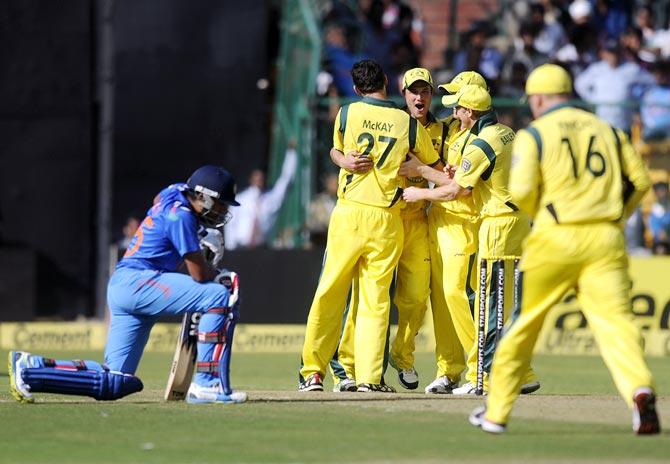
[370,140]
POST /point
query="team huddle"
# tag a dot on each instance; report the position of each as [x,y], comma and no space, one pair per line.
[429,212]
[466,245]
[424,254]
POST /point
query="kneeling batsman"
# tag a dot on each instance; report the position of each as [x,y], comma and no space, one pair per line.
[184,218]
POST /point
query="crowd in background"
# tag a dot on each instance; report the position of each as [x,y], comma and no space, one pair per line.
[617,51]
[389,32]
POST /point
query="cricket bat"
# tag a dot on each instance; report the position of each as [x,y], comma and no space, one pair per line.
[183,363]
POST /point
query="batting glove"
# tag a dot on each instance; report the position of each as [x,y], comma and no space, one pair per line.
[231,281]
[212,244]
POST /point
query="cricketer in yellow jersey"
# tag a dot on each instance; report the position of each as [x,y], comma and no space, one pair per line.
[578,178]
[412,284]
[413,276]
[448,340]
[414,267]
[453,227]
[365,232]
[484,170]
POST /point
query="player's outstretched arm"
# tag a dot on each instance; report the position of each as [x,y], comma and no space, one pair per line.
[414,194]
[414,167]
[452,190]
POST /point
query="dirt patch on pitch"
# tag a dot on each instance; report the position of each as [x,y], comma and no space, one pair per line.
[588,409]
[585,409]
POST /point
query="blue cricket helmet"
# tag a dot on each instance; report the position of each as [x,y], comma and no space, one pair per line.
[214,187]
[215,182]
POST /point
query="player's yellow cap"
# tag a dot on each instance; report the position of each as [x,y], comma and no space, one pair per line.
[469,96]
[415,75]
[548,79]
[464,78]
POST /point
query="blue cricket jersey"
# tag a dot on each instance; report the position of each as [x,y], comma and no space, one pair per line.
[169,231]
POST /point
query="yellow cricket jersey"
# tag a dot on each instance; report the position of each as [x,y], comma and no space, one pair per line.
[452,126]
[463,207]
[382,131]
[571,167]
[442,133]
[486,164]
[439,132]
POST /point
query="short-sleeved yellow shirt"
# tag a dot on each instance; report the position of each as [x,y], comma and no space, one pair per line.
[486,164]
[384,132]
[439,132]
[464,206]
[571,167]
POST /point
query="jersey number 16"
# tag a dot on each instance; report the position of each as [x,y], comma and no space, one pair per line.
[597,168]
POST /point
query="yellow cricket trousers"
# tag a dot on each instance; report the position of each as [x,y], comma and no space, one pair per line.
[411,298]
[500,244]
[364,242]
[590,258]
[501,237]
[342,366]
[412,288]
[453,244]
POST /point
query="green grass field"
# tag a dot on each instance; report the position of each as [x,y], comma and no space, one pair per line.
[576,418]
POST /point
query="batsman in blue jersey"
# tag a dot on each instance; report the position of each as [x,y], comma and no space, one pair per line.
[146,286]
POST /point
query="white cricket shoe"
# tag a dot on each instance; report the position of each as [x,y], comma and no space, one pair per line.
[471,389]
[311,383]
[408,378]
[468,388]
[441,386]
[199,394]
[17,361]
[478,419]
[345,385]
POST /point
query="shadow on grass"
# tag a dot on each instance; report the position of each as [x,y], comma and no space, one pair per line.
[293,396]
[612,430]
[348,399]
[90,402]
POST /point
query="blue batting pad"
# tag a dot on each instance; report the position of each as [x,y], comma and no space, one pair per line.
[224,362]
[84,378]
